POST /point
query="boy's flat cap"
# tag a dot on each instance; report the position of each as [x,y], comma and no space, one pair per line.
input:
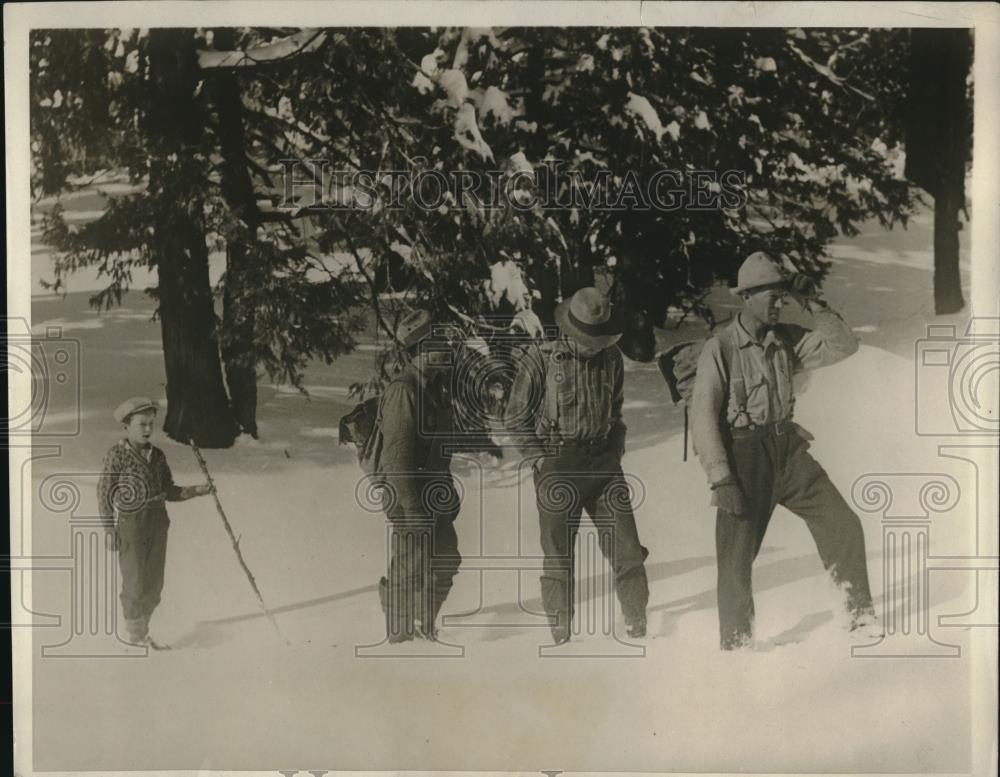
[132,406]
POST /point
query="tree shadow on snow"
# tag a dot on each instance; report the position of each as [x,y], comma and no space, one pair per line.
[765,577]
[212,633]
[798,632]
[505,611]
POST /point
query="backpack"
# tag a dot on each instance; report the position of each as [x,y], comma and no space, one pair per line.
[361,427]
[679,367]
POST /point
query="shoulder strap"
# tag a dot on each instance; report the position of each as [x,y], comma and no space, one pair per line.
[372,453]
[397,378]
[544,352]
[730,360]
[547,351]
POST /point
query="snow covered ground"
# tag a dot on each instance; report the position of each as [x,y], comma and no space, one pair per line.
[233,695]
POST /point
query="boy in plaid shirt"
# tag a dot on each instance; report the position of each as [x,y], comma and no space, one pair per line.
[134,486]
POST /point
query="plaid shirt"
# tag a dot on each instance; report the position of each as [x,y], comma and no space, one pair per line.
[559,395]
[130,482]
[767,367]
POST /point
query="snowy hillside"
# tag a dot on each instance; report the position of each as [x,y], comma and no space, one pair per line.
[232,695]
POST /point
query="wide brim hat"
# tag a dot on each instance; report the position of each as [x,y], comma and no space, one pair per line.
[134,405]
[760,271]
[588,318]
[414,327]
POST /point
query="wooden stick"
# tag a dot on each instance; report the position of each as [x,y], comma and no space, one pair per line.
[235,541]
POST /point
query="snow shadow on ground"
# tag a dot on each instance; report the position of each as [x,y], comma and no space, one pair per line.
[767,577]
[205,633]
[533,606]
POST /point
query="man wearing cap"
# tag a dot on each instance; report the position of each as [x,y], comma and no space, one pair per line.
[565,409]
[419,497]
[134,485]
[756,457]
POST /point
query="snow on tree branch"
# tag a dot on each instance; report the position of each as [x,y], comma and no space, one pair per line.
[301,42]
[827,73]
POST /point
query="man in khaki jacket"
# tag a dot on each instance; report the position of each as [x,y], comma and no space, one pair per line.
[420,499]
[756,457]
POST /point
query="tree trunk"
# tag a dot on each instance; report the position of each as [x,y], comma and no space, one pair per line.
[197,406]
[238,350]
[947,278]
[937,145]
[237,188]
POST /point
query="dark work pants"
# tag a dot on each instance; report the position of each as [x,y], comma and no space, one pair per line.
[423,562]
[773,466]
[585,477]
[142,556]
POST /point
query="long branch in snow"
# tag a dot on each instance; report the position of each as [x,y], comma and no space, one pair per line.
[827,73]
[301,42]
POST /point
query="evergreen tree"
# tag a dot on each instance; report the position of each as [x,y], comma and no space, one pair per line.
[666,155]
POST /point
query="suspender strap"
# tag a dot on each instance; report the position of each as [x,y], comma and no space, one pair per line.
[731,362]
[551,397]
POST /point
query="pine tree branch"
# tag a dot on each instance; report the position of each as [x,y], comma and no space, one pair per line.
[371,285]
[282,50]
[827,73]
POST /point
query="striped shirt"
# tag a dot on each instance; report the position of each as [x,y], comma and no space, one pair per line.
[131,482]
[558,395]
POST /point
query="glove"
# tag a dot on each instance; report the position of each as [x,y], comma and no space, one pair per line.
[728,496]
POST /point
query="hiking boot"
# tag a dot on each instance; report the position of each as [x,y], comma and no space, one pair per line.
[399,629]
[865,626]
[560,624]
[425,632]
[383,592]
[560,635]
[138,631]
[739,643]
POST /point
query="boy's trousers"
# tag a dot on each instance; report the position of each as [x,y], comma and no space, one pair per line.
[142,555]
[773,466]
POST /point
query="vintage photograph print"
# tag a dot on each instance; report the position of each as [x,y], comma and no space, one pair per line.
[517,388]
